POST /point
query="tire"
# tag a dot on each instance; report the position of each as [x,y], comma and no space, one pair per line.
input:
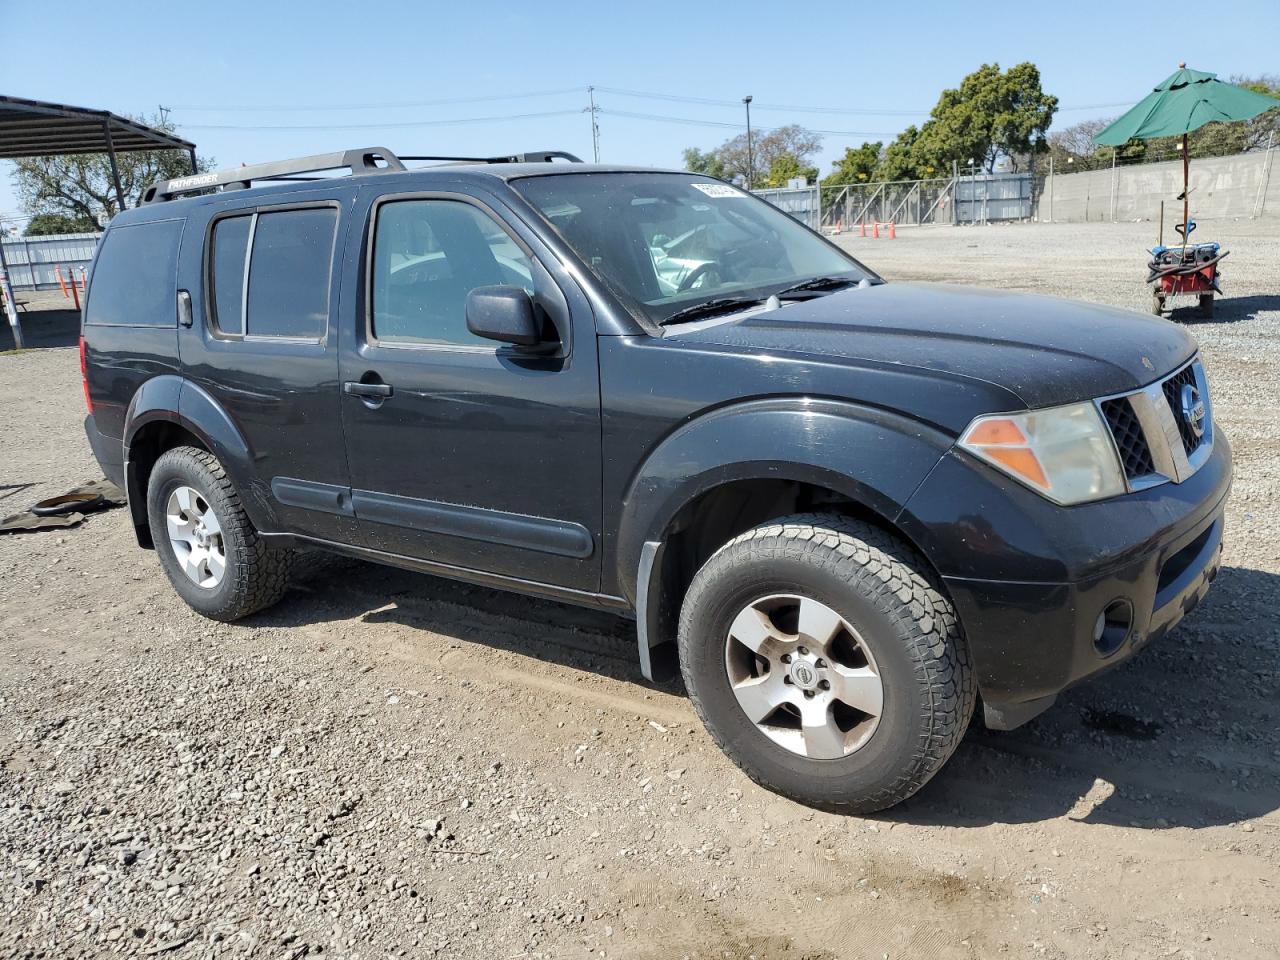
[1157,306]
[907,629]
[254,575]
[1206,304]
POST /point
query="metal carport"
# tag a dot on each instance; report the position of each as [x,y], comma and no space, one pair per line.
[34,128]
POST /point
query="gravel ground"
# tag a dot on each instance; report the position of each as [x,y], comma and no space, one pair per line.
[390,765]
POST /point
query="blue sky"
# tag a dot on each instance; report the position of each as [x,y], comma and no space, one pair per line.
[341,69]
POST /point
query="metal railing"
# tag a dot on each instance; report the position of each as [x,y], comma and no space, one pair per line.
[977,198]
[33,261]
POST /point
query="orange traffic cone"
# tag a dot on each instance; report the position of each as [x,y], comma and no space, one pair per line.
[893,233]
[862,228]
[875,230]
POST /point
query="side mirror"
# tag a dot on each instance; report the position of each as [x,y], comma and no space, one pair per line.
[503,313]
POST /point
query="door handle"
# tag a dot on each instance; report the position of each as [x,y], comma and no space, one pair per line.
[185,317]
[355,388]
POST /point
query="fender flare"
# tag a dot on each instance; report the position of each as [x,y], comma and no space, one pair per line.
[171,398]
[830,443]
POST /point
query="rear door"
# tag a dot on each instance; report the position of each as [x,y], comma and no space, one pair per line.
[481,456]
[264,348]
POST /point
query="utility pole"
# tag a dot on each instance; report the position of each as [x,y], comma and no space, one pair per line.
[164,114]
[751,163]
[595,124]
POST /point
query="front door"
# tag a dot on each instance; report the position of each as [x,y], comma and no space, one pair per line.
[475,455]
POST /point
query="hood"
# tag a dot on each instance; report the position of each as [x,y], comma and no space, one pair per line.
[1044,350]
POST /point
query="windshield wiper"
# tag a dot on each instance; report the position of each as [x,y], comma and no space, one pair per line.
[709,308]
[818,284]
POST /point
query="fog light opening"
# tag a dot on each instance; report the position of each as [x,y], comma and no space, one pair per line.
[1112,627]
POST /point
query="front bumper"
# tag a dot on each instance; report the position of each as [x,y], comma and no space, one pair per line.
[1156,551]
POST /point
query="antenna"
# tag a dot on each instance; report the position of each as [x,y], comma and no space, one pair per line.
[595,123]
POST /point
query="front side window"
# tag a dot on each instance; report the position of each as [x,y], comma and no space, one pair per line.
[135,276]
[270,273]
[663,242]
[428,255]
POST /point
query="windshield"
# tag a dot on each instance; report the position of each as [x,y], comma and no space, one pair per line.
[664,242]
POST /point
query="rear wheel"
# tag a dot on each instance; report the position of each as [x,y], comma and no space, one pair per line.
[207,546]
[825,663]
[1206,304]
[1157,305]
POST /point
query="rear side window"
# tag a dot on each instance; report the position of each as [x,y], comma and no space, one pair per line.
[270,273]
[135,279]
[230,247]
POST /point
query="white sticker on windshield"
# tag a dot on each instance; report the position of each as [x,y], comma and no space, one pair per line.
[717,189]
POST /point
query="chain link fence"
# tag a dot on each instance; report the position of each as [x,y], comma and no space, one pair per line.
[975,198]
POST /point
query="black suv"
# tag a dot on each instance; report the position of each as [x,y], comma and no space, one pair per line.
[844,508]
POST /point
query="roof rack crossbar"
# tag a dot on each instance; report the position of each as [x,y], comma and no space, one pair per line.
[531,156]
[358,162]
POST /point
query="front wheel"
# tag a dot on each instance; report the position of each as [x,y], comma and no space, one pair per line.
[825,662]
[208,548]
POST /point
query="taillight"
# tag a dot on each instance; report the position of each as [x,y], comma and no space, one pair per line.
[84,377]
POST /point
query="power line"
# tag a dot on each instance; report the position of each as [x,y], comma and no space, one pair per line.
[396,105]
[665,118]
[616,91]
[377,126]
[709,101]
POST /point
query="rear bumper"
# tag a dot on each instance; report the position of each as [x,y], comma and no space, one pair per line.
[1154,552]
[108,452]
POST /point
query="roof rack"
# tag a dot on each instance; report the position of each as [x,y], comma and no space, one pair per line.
[359,162]
[530,156]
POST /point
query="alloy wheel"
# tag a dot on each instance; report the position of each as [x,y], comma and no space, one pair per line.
[196,537]
[804,676]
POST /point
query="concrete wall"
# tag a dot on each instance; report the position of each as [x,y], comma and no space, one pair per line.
[1220,187]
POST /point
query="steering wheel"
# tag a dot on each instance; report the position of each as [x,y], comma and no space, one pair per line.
[697,273]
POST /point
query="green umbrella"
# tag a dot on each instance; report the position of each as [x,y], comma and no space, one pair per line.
[1185,101]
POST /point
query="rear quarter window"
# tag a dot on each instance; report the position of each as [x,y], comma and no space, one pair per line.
[135,277]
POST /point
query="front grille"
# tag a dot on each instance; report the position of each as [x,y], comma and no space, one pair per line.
[1173,395]
[1131,442]
[1153,439]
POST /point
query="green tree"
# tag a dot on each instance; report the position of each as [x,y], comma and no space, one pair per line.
[708,163]
[858,165]
[767,147]
[899,161]
[785,168]
[992,115]
[81,186]
[48,224]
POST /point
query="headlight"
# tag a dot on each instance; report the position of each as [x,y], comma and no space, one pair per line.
[1062,453]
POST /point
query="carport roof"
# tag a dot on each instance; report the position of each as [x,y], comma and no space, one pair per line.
[33,128]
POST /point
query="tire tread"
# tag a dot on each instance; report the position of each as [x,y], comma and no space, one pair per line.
[902,586]
[262,572]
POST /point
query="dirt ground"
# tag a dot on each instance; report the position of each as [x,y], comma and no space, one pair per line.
[391,765]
